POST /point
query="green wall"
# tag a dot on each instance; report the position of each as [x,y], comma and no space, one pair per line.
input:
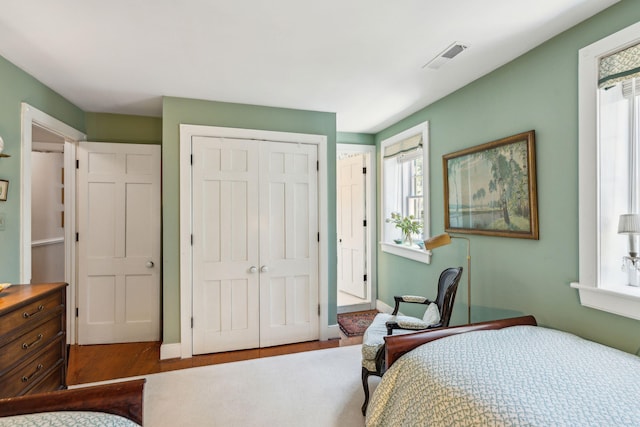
[16,87]
[106,127]
[356,138]
[178,111]
[515,276]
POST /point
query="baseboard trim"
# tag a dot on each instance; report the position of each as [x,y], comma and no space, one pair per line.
[174,350]
[354,307]
[170,351]
[330,332]
[382,307]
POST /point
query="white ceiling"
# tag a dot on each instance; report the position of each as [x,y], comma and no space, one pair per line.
[361,59]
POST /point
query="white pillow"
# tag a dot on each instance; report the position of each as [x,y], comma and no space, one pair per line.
[432,315]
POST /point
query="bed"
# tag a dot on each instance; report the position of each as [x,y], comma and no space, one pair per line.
[505,373]
[113,405]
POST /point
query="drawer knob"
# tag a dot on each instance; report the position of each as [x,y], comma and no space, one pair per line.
[38,369]
[27,346]
[27,315]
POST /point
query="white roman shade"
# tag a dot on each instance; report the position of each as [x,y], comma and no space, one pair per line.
[404,149]
[619,66]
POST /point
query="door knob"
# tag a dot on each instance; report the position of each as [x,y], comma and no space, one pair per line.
[253,269]
[149,264]
[264,269]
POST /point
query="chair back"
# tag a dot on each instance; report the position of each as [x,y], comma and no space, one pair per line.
[447,288]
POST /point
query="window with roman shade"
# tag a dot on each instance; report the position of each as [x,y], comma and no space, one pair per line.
[404,185]
[609,174]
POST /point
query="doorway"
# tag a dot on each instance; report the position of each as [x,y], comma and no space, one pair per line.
[39,125]
[48,206]
[356,227]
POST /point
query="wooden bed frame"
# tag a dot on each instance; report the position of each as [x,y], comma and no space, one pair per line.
[397,345]
[123,398]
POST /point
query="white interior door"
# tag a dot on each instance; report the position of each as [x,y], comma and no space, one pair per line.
[288,243]
[351,227]
[255,248]
[225,245]
[119,243]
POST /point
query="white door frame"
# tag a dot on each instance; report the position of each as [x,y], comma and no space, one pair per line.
[186,133]
[370,213]
[31,116]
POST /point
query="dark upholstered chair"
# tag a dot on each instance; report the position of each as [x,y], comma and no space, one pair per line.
[437,315]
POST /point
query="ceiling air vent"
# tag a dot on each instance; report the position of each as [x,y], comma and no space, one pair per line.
[446,55]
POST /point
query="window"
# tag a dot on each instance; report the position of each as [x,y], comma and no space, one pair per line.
[405,165]
[609,172]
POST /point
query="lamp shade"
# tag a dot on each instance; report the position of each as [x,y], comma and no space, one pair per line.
[437,241]
[629,224]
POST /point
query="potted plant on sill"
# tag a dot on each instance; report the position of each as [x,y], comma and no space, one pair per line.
[409,226]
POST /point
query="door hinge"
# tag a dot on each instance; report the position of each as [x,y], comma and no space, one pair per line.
[318,165]
[318,309]
[318,236]
[365,277]
[77,311]
[364,171]
[77,164]
[77,237]
[192,323]
[364,223]
[192,240]
[191,160]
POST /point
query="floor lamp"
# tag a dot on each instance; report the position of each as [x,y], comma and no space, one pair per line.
[443,240]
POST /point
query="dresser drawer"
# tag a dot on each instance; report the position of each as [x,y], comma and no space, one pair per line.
[28,315]
[21,378]
[30,342]
[55,380]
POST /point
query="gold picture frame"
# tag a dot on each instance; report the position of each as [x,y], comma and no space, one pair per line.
[490,189]
[4,189]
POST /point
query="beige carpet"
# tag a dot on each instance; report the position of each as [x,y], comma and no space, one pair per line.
[317,388]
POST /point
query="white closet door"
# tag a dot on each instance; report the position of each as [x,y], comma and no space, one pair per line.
[288,243]
[119,243]
[350,224]
[255,248]
[225,245]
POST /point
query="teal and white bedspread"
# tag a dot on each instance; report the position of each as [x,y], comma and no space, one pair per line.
[518,376]
[67,419]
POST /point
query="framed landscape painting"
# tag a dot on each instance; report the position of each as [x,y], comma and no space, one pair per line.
[490,189]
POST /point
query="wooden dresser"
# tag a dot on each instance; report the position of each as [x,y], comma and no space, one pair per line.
[33,345]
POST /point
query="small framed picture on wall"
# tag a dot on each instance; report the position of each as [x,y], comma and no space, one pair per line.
[4,189]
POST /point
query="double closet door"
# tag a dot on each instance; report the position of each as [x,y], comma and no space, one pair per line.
[255,243]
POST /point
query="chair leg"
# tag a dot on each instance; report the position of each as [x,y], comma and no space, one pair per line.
[365,386]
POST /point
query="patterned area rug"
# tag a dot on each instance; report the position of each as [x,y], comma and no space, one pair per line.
[354,324]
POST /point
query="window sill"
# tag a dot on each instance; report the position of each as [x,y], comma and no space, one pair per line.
[623,301]
[414,253]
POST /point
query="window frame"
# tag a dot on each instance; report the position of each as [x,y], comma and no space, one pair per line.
[386,242]
[624,301]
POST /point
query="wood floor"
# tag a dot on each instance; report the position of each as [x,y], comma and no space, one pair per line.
[91,363]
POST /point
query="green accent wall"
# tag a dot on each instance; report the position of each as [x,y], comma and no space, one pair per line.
[356,138]
[17,87]
[178,111]
[510,276]
[106,127]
